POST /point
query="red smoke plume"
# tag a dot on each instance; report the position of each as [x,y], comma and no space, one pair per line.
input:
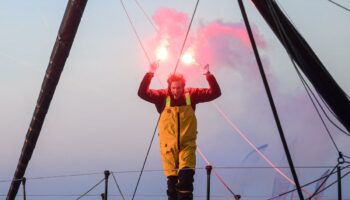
[220,44]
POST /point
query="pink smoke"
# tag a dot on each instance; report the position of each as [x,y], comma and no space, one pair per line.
[220,44]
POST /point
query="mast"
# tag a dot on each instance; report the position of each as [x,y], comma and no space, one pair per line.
[59,55]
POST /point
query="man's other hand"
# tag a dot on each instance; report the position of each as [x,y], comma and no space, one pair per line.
[205,69]
[153,67]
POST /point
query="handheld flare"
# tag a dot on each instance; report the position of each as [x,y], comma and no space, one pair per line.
[162,52]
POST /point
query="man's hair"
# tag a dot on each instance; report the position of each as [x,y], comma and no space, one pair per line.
[176,77]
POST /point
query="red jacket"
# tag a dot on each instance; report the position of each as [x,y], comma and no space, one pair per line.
[198,95]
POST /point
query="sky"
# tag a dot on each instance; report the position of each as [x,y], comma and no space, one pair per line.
[97,122]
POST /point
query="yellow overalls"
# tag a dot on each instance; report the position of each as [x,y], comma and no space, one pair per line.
[177,136]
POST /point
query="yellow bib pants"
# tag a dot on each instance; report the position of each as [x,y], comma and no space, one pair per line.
[177,136]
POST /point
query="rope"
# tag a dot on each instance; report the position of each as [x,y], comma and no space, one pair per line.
[93,187]
[339,5]
[120,191]
[144,162]
[188,30]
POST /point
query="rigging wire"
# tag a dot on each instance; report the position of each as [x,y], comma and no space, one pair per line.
[327,106]
[221,180]
[339,5]
[144,162]
[308,89]
[145,14]
[138,37]
[306,86]
[93,187]
[313,103]
[120,191]
[188,31]
[323,182]
[336,181]
[305,185]
[135,31]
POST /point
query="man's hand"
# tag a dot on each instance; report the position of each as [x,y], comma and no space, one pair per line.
[205,69]
[153,67]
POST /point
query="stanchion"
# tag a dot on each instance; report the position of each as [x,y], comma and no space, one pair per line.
[339,183]
[107,173]
[24,180]
[208,168]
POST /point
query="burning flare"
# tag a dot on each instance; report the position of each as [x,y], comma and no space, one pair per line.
[162,52]
[188,57]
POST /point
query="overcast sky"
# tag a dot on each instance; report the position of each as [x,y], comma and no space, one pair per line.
[96,121]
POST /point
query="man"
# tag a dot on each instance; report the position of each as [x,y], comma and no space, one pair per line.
[178,127]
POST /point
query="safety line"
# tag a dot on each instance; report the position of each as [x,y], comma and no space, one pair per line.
[188,30]
[120,191]
[159,170]
[93,187]
[282,194]
[51,177]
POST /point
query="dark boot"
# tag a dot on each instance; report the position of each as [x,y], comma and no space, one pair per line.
[184,196]
[185,185]
[171,192]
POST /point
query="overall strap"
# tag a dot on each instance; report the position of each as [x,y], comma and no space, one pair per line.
[188,99]
[167,101]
